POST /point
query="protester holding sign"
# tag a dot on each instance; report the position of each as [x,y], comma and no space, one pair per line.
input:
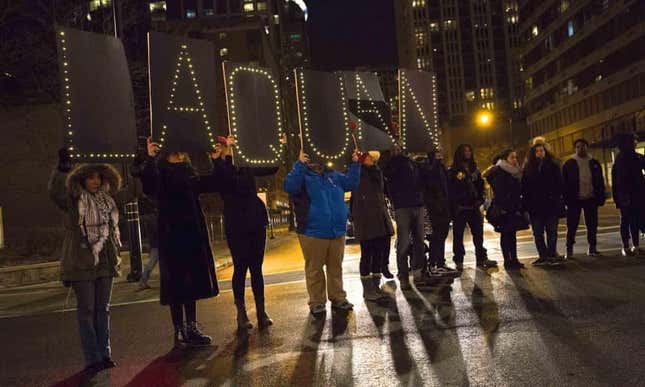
[90,254]
[372,225]
[245,221]
[185,259]
[321,213]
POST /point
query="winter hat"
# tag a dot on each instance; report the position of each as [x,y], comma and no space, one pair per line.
[539,140]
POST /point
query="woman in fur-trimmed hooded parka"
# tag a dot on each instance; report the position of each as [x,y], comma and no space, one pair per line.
[90,253]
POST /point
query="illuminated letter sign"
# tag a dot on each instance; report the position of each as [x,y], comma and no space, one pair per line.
[255,119]
[323,116]
[96,95]
[418,115]
[182,92]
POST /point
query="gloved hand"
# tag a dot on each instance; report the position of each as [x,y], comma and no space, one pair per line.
[64,160]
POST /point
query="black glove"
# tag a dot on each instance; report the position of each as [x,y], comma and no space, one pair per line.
[64,160]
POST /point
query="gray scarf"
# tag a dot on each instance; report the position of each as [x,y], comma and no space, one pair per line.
[512,169]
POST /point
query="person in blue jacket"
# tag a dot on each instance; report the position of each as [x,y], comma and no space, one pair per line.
[321,215]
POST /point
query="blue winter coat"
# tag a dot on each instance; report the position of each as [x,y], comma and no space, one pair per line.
[319,199]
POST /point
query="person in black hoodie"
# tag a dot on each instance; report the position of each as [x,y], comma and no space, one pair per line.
[404,190]
[245,222]
[186,261]
[629,190]
[505,213]
[434,181]
[584,190]
[542,198]
[466,191]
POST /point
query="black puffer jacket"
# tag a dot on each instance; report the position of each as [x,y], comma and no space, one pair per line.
[542,190]
[507,200]
[465,187]
[434,181]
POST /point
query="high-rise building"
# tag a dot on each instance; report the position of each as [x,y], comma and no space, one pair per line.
[583,66]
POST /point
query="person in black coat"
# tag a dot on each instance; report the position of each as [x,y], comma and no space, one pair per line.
[505,213]
[542,198]
[434,181]
[466,191]
[584,190]
[372,225]
[186,261]
[628,188]
[245,222]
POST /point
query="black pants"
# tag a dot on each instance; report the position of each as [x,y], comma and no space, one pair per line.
[590,209]
[545,224]
[177,313]
[374,254]
[508,243]
[247,250]
[629,224]
[475,222]
[437,240]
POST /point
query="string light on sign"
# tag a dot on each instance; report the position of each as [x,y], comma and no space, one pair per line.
[67,108]
[406,89]
[233,101]
[184,62]
[361,89]
[304,118]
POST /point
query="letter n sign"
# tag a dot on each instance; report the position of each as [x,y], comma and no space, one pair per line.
[418,116]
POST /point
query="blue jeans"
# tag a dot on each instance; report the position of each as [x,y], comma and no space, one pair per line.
[153,258]
[409,231]
[540,225]
[93,313]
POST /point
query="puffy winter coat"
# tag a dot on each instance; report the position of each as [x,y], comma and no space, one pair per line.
[628,185]
[369,211]
[466,188]
[319,200]
[402,182]
[507,201]
[542,190]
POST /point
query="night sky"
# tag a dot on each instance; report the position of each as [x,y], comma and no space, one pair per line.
[345,34]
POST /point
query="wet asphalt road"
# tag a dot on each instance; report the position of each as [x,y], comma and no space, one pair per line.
[580,324]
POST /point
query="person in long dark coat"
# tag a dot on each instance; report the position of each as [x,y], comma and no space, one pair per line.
[542,198]
[372,225]
[505,213]
[245,222]
[628,188]
[186,261]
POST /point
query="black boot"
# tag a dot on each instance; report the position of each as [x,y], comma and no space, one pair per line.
[386,272]
[195,337]
[242,318]
[180,337]
[263,318]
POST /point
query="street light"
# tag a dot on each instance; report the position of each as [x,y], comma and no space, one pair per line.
[484,118]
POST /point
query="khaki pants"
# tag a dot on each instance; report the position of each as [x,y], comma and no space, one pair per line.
[318,253]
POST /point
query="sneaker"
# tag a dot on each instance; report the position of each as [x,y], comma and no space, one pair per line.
[180,338]
[557,260]
[541,261]
[593,252]
[143,286]
[317,310]
[342,305]
[444,271]
[264,320]
[195,337]
[636,251]
[485,264]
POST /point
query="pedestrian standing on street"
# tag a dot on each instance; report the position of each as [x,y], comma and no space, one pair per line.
[628,187]
[466,192]
[542,198]
[321,215]
[404,188]
[584,190]
[434,181]
[372,225]
[150,220]
[186,261]
[505,213]
[90,253]
[245,222]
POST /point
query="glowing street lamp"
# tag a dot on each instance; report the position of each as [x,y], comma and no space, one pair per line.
[484,118]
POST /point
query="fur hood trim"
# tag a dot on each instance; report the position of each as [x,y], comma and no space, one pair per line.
[111,179]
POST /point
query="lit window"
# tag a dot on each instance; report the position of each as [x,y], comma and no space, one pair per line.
[191,14]
[534,30]
[598,77]
[418,3]
[434,27]
[223,52]
[249,7]
[222,35]
[570,29]
[158,6]
[262,6]
[448,24]
[564,5]
[209,12]
[470,96]
[529,83]
[512,19]
[96,4]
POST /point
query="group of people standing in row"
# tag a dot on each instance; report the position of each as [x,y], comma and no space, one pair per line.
[420,191]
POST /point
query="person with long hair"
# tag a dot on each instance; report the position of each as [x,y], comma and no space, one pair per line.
[186,261]
[584,190]
[628,189]
[90,255]
[245,222]
[542,198]
[372,225]
[505,213]
[466,192]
